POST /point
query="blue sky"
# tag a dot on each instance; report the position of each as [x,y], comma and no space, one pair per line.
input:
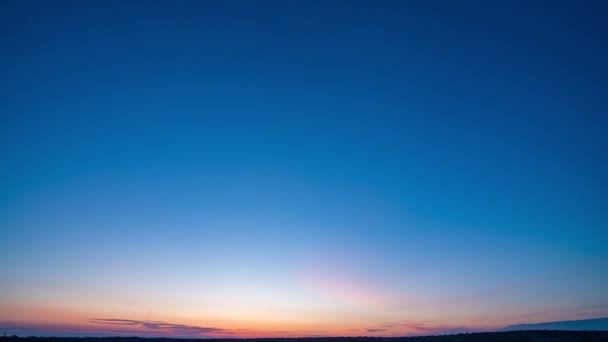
[308,167]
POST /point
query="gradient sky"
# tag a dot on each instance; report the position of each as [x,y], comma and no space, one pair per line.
[300,168]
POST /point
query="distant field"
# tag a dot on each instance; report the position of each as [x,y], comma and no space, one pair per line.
[536,335]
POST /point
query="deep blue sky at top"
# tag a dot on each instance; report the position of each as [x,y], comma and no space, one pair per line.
[383,125]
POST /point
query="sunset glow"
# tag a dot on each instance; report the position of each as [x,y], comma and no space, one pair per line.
[301,168]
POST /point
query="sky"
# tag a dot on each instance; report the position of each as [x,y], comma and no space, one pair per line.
[266,168]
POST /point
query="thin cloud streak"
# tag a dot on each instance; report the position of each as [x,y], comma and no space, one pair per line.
[413,328]
[178,329]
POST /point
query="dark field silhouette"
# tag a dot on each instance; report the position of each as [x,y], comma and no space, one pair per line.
[530,335]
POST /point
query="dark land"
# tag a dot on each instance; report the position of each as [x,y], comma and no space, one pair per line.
[508,336]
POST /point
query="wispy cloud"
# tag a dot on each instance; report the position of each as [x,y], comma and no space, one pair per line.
[425,329]
[413,328]
[562,313]
[173,328]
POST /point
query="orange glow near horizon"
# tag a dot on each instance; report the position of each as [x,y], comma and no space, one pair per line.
[53,321]
[323,301]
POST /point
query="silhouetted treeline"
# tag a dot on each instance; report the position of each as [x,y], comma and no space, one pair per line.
[510,336]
